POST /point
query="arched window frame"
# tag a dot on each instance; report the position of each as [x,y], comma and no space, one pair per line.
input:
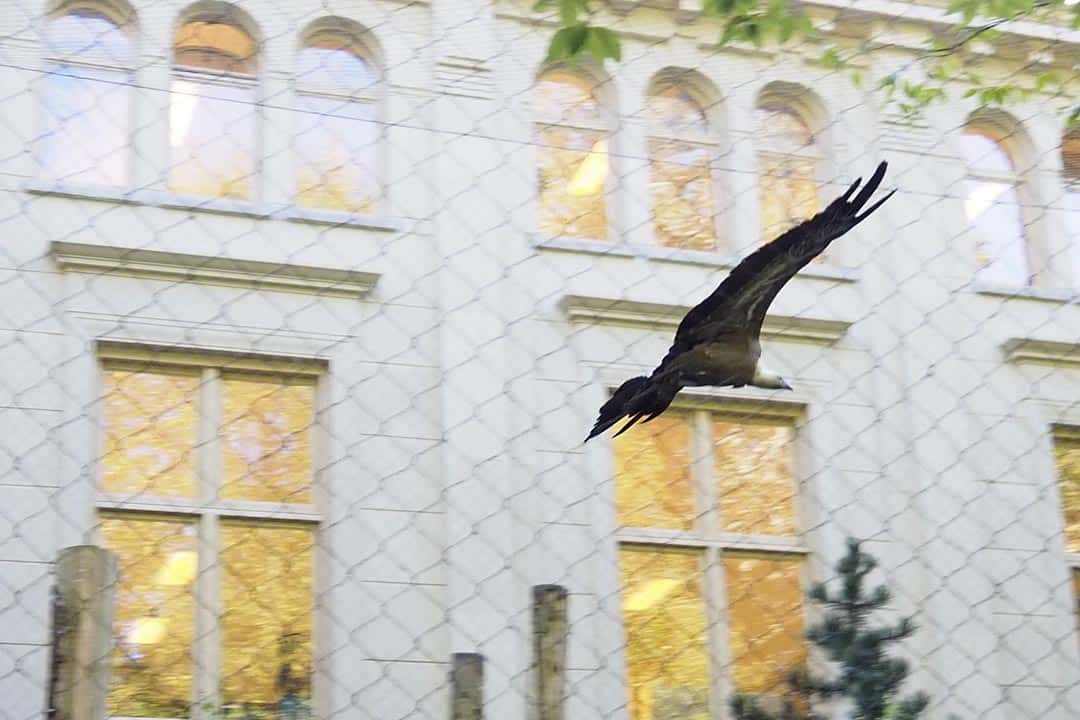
[352,104]
[1006,134]
[599,128]
[703,138]
[215,86]
[796,101]
[91,66]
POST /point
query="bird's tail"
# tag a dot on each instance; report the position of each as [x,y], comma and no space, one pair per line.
[637,398]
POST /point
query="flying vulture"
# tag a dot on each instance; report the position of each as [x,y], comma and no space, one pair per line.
[718,343]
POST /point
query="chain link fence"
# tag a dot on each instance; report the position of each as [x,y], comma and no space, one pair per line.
[306,308]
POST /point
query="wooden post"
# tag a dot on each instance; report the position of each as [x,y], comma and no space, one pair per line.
[549,649]
[466,686]
[82,633]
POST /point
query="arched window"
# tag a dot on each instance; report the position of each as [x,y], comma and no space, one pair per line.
[788,156]
[212,114]
[992,207]
[680,169]
[571,146]
[1070,162]
[86,102]
[337,140]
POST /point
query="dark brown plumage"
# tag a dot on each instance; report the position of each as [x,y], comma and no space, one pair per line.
[717,342]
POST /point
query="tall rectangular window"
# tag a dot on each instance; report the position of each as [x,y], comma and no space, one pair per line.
[710,561]
[1067,459]
[206,497]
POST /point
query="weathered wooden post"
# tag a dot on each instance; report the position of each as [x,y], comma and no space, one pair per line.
[82,632]
[466,686]
[549,649]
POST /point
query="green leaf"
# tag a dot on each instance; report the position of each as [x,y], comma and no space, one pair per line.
[541,5]
[602,43]
[831,59]
[568,12]
[567,43]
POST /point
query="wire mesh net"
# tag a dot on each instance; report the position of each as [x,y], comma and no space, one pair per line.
[307,307]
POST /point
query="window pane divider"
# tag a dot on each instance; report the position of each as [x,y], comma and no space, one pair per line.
[208,641]
[707,143]
[584,127]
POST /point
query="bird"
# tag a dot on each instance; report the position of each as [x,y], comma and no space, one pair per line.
[718,341]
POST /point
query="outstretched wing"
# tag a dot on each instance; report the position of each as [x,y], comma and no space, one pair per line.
[737,307]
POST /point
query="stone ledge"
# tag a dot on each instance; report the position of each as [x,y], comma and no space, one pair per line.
[211,270]
[1043,352]
[660,316]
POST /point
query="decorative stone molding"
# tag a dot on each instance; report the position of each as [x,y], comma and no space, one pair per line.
[659,316]
[1043,352]
[211,270]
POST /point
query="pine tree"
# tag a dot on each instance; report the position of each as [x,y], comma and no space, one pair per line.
[866,676]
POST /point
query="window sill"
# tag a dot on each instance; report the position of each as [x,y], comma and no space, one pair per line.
[1058,296]
[220,206]
[104,193]
[316,216]
[675,255]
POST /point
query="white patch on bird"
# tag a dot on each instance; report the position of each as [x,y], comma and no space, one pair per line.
[766,378]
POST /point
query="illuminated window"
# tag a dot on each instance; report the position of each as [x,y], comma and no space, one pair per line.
[338,132]
[1067,456]
[212,109]
[788,157]
[1070,161]
[205,496]
[571,148]
[693,490]
[992,208]
[1067,460]
[680,172]
[86,102]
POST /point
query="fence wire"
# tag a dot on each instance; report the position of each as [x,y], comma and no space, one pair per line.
[307,307]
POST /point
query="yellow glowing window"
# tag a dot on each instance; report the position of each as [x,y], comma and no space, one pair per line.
[680,172]
[652,474]
[268,606]
[208,601]
[765,620]
[787,160]
[572,155]
[666,646]
[154,620]
[150,433]
[723,484]
[266,439]
[755,478]
[1067,457]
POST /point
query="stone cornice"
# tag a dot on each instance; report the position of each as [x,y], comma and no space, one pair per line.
[212,270]
[1043,352]
[660,316]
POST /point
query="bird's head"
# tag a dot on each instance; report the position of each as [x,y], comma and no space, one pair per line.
[765,378]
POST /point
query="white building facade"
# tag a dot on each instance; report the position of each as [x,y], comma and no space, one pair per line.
[307,307]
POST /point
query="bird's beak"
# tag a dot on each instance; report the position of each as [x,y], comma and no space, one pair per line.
[784,384]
